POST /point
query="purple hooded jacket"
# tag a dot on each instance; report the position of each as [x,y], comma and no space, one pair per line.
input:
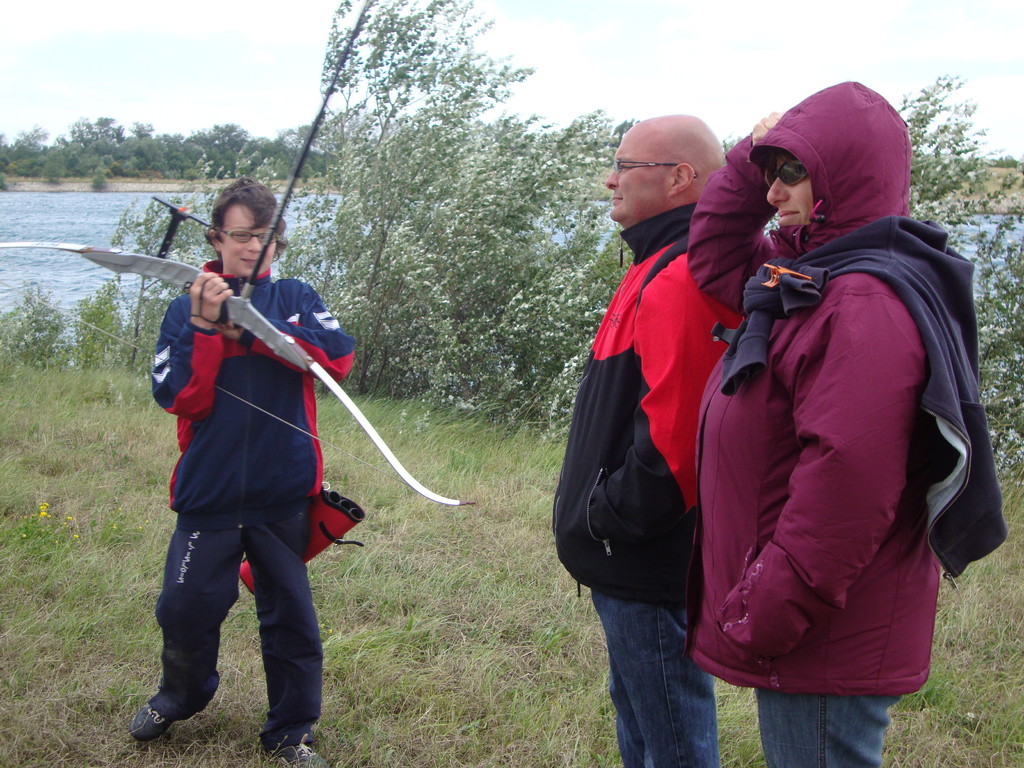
[817,473]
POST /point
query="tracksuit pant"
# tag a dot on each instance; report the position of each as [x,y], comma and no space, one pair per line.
[200,586]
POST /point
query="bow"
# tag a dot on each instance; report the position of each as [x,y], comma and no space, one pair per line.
[239,309]
[241,312]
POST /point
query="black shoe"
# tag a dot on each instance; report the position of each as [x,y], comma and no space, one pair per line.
[301,755]
[148,724]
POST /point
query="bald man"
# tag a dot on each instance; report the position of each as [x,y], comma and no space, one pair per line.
[623,516]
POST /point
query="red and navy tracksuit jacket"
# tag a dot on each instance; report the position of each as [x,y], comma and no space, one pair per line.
[240,465]
[628,479]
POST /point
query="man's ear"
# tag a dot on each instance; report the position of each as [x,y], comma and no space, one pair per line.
[684,181]
[685,174]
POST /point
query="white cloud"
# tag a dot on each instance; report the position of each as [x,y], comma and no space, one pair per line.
[229,24]
[188,65]
[733,62]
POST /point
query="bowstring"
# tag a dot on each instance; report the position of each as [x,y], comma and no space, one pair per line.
[278,215]
[68,315]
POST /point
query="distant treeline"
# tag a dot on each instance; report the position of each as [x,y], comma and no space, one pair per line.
[103,149]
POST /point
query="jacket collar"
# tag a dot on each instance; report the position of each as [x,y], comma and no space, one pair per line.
[649,236]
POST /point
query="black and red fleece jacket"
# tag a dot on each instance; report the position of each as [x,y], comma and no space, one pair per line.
[628,479]
[244,465]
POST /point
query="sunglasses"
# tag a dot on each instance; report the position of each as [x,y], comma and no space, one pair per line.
[790,173]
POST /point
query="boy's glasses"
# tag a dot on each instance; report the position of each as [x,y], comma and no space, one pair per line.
[244,235]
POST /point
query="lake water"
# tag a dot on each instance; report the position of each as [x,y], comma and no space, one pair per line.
[80,218]
[83,218]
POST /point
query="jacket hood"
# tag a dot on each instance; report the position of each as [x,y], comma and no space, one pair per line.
[856,149]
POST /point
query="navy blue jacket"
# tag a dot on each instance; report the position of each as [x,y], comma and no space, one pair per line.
[240,464]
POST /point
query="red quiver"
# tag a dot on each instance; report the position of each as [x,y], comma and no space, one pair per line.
[331,516]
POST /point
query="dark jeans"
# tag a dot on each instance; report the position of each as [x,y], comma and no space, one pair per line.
[665,704]
[200,586]
[811,731]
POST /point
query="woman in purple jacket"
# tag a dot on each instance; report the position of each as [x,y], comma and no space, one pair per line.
[844,456]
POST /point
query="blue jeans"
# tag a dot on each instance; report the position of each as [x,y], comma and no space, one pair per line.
[810,731]
[665,704]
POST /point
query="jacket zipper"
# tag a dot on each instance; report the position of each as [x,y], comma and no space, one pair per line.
[607,542]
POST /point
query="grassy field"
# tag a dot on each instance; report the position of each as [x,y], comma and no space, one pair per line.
[454,638]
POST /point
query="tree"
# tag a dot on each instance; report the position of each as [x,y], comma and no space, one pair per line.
[619,132]
[445,228]
[951,183]
[1000,259]
[97,324]
[141,302]
[225,150]
[31,141]
[28,335]
[26,156]
[142,131]
[54,169]
[948,168]
[105,131]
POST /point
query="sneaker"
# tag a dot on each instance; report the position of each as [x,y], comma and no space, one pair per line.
[148,724]
[301,755]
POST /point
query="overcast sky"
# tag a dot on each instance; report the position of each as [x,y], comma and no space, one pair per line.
[186,65]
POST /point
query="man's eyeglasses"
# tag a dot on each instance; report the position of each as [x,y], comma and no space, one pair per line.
[790,173]
[625,165]
[244,235]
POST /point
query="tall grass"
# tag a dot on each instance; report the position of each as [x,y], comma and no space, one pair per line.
[453,638]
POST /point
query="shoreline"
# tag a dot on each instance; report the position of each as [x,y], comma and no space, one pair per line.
[1002,208]
[121,185]
[128,185]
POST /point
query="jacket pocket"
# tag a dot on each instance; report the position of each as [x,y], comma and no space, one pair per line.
[771,609]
